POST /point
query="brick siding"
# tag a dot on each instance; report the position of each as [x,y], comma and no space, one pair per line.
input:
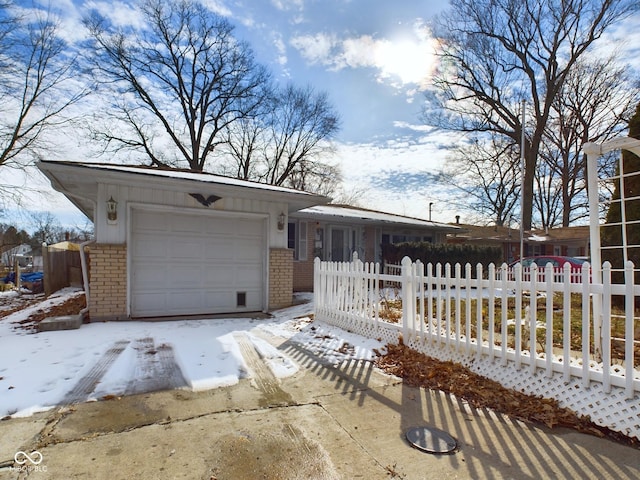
[280,278]
[108,282]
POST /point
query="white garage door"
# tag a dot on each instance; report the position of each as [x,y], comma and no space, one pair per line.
[184,264]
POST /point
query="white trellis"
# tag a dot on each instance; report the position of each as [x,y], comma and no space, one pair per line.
[594,151]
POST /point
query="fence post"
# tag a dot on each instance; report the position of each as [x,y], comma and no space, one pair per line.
[605,327]
[408,297]
[16,269]
[46,275]
[318,294]
[628,329]
[479,277]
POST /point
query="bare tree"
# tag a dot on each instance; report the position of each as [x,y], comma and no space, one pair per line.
[302,124]
[496,53]
[594,105]
[288,143]
[244,148]
[180,81]
[46,228]
[36,84]
[487,170]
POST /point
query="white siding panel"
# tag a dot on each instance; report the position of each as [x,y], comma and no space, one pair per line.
[188,264]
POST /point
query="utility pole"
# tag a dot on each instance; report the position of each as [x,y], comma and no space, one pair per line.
[522,171]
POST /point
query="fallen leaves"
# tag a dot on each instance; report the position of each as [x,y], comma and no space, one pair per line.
[72,306]
[420,370]
[9,305]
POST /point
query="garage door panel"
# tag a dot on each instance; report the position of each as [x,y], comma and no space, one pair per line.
[187,249]
[155,299]
[246,275]
[185,264]
[149,245]
[184,301]
[219,225]
[221,299]
[217,257]
[234,277]
[185,276]
[220,277]
[151,221]
[185,224]
[152,276]
[249,250]
[217,248]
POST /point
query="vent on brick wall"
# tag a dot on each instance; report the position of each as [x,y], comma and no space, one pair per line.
[241,299]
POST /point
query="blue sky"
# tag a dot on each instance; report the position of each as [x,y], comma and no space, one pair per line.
[374,58]
[370,56]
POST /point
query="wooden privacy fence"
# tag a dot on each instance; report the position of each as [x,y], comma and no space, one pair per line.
[61,268]
[529,329]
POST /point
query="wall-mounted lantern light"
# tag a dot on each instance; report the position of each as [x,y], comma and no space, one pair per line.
[112,210]
[281,219]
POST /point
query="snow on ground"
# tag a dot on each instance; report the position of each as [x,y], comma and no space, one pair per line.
[38,370]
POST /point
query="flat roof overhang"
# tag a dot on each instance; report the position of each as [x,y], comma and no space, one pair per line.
[78,181]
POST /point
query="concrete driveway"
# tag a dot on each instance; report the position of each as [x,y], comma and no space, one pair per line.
[326,422]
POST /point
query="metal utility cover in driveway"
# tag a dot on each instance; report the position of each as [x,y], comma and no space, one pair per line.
[186,264]
[431,440]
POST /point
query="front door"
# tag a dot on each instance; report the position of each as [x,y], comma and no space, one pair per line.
[340,246]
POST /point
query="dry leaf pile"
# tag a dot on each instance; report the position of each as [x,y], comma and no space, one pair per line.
[420,370]
[9,305]
[71,306]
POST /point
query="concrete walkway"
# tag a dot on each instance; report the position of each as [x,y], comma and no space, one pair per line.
[326,422]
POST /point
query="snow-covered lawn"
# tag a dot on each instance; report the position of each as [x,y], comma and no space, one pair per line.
[39,370]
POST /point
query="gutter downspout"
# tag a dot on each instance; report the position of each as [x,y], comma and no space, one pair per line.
[83,259]
[85,277]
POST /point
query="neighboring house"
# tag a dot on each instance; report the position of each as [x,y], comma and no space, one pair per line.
[334,232]
[21,252]
[174,243]
[566,241]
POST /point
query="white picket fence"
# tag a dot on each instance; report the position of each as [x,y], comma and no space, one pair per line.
[530,346]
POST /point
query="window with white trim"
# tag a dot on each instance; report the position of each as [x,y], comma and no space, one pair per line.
[297,239]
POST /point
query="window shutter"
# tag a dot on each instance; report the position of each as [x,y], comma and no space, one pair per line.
[302,241]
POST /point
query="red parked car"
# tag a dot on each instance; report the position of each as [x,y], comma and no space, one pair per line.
[558,263]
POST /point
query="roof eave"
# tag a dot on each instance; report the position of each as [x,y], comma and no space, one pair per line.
[295,199]
[363,220]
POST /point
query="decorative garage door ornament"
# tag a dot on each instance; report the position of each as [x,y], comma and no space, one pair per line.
[208,201]
[431,440]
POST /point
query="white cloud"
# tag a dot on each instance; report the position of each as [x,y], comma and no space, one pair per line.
[624,40]
[359,52]
[410,126]
[280,48]
[121,14]
[399,176]
[285,5]
[400,62]
[318,48]
[217,6]
[64,12]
